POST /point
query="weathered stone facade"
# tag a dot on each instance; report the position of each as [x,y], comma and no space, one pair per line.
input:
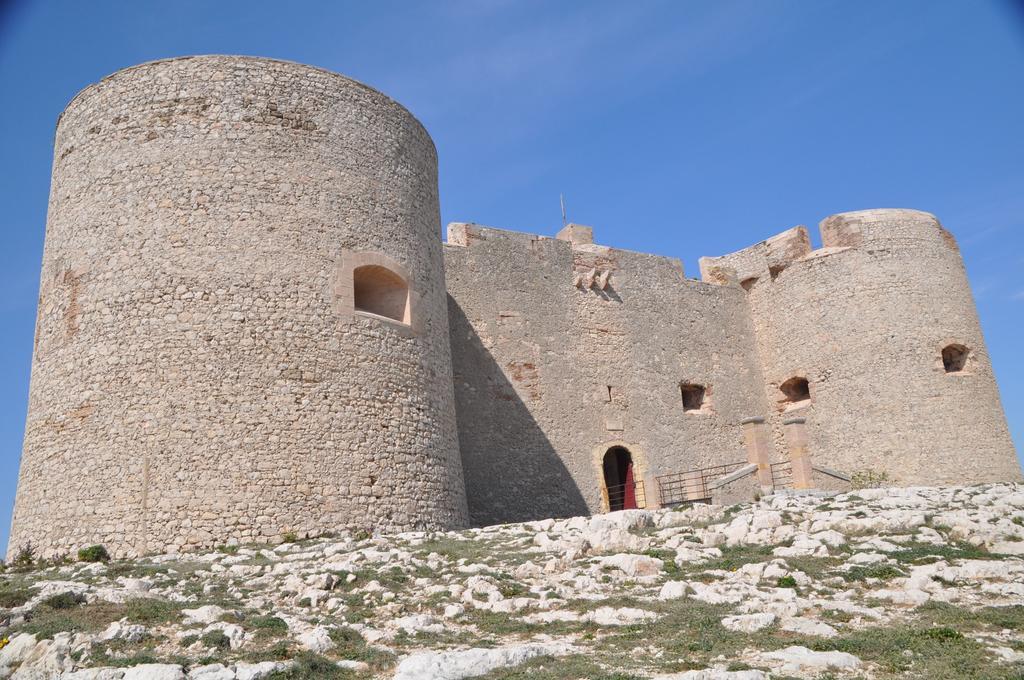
[200,373]
[248,326]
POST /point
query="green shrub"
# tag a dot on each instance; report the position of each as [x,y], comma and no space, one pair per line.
[312,666]
[151,611]
[267,626]
[66,600]
[942,634]
[25,558]
[12,595]
[94,553]
[868,478]
[786,582]
[216,638]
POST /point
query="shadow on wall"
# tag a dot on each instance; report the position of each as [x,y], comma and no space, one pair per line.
[512,471]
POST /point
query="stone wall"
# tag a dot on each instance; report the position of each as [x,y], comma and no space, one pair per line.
[245,330]
[551,369]
[864,320]
[200,374]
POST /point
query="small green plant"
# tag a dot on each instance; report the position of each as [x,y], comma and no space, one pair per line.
[94,553]
[189,640]
[228,549]
[289,537]
[869,478]
[786,582]
[267,626]
[943,634]
[151,611]
[13,597]
[217,639]
[25,558]
[66,600]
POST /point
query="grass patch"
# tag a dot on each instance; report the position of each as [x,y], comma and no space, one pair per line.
[576,667]
[151,611]
[217,639]
[883,572]
[267,626]
[474,551]
[937,653]
[313,667]
[351,646]
[13,596]
[926,553]
[734,557]
[45,622]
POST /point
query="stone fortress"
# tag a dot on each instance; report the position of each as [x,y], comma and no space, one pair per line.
[248,326]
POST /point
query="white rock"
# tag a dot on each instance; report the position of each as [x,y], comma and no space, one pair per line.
[418,622]
[472,662]
[94,674]
[317,640]
[352,665]
[453,610]
[47,659]
[154,671]
[633,565]
[748,623]
[798,659]
[622,616]
[714,674]
[17,650]
[258,671]
[805,626]
[673,590]
[205,614]
[214,671]
[121,630]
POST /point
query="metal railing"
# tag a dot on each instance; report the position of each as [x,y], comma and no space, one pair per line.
[782,475]
[615,496]
[692,486]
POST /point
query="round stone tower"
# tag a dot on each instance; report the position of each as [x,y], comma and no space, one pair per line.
[875,340]
[242,325]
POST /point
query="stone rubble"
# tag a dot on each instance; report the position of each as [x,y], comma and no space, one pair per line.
[776,587]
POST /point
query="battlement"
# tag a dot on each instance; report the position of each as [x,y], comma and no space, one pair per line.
[839,233]
[574,241]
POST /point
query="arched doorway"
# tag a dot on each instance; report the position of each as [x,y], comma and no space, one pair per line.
[618,479]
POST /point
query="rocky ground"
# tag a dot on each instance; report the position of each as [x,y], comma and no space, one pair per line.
[878,583]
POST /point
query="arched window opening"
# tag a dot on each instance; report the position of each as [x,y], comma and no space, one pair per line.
[795,391]
[693,397]
[618,479]
[954,358]
[747,284]
[380,291]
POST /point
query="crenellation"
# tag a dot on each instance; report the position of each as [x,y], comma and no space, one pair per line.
[248,327]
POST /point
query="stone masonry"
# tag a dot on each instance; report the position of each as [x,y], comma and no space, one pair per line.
[248,327]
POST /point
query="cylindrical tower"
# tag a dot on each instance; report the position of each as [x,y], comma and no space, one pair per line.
[876,341]
[242,325]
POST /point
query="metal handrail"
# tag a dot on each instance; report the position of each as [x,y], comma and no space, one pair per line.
[691,486]
[782,475]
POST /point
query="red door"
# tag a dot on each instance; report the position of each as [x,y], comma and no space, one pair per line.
[629,500]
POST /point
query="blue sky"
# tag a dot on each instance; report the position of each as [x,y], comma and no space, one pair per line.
[683,128]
